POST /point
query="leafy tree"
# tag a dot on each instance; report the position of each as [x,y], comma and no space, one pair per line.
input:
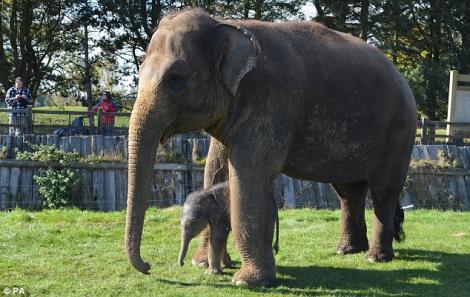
[423,38]
[31,33]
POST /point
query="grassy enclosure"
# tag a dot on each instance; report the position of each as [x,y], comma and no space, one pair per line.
[79,253]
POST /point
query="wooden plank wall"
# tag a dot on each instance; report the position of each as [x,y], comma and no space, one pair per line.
[448,189]
[105,188]
[102,189]
[187,146]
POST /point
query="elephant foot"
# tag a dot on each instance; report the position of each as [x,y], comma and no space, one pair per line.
[214,271]
[352,248]
[200,258]
[247,277]
[376,255]
[226,262]
[200,263]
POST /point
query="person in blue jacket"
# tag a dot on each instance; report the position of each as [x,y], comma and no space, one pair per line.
[18,97]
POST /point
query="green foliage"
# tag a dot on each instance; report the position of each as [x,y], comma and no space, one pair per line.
[3,152]
[408,182]
[166,155]
[201,161]
[47,154]
[55,186]
[80,253]
[94,158]
[443,161]
[424,39]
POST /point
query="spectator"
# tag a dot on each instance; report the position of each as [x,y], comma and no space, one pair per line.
[107,105]
[17,97]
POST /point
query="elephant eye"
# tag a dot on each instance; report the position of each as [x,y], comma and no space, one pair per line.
[177,82]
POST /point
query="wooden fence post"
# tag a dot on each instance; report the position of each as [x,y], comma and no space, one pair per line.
[100,124]
[432,133]
[179,187]
[289,192]
[424,130]
[29,120]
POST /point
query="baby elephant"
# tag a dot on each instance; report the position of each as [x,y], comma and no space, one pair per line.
[211,207]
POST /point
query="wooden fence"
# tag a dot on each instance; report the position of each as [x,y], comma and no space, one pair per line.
[429,132]
[29,124]
[183,148]
[103,186]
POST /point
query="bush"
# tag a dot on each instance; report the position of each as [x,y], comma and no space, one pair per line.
[48,154]
[444,161]
[55,184]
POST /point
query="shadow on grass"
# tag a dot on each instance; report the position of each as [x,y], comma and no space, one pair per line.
[451,278]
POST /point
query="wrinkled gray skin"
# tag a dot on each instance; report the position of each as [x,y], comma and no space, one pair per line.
[294,98]
[211,207]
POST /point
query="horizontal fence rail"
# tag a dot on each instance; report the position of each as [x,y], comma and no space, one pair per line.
[434,132]
[37,121]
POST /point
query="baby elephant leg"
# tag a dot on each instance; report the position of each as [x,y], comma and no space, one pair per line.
[226,262]
[218,239]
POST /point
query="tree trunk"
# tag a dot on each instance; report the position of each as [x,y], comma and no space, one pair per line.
[364,19]
[4,80]
[258,9]
[464,57]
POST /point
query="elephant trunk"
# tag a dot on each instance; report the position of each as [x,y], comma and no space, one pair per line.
[143,141]
[185,239]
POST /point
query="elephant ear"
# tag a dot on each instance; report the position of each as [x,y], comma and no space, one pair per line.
[240,50]
[214,208]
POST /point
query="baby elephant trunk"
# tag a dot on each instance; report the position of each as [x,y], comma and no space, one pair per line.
[185,239]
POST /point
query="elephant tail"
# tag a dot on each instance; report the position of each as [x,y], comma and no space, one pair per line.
[276,241]
[398,233]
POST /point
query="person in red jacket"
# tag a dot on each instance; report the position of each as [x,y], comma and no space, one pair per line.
[107,105]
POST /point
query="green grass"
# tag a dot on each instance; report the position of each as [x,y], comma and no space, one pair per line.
[79,253]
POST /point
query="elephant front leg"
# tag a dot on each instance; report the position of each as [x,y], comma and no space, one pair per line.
[200,256]
[252,219]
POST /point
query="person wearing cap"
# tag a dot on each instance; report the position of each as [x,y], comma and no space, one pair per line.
[18,97]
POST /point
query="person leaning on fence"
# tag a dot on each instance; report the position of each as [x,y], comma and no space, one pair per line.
[107,104]
[18,97]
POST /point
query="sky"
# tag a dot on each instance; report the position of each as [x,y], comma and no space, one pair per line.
[309,10]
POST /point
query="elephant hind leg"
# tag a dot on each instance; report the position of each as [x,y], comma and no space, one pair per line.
[225,261]
[385,188]
[352,197]
[387,223]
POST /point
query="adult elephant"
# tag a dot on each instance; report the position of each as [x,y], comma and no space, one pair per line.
[296,98]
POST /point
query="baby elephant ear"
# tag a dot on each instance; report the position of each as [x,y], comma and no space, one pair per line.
[240,50]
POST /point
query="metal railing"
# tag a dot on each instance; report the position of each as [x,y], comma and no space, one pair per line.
[430,133]
[71,122]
